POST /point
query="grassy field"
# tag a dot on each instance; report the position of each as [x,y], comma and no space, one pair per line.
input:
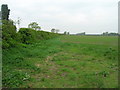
[63,62]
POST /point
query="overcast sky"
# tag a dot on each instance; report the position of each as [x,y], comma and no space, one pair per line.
[75,16]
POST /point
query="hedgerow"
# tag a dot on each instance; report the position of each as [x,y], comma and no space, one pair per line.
[18,41]
[11,38]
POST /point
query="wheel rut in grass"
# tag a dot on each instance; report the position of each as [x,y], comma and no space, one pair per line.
[48,67]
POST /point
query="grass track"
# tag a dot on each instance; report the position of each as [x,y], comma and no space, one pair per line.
[64,62]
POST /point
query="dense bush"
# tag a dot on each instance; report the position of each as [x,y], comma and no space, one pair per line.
[27,35]
[9,35]
[45,35]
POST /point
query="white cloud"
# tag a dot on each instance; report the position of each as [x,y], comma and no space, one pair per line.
[92,16]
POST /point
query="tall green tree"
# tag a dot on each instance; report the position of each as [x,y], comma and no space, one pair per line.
[34,26]
[5,12]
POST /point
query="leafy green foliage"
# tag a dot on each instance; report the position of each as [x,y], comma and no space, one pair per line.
[27,35]
[14,78]
[34,26]
[5,12]
[9,35]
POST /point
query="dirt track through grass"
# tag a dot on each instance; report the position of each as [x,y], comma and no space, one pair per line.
[75,66]
[61,63]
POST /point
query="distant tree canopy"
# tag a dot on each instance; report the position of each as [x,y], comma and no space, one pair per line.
[34,26]
[83,33]
[109,34]
[66,33]
[105,33]
[53,30]
[5,12]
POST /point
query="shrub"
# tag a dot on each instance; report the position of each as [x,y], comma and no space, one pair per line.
[9,35]
[27,35]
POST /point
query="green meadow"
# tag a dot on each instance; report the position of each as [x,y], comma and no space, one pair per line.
[67,61]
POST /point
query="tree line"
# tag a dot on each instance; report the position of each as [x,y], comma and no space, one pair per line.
[103,34]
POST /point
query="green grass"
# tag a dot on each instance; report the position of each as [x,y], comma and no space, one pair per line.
[64,62]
